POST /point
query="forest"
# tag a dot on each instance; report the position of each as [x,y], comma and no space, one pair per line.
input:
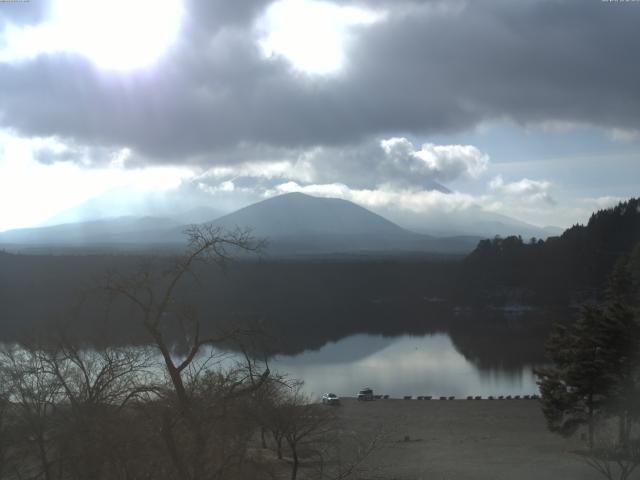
[565,270]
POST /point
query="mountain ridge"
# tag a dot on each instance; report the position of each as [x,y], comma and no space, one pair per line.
[293,223]
[294,211]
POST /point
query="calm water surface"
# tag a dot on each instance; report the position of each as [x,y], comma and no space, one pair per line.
[398,366]
[401,365]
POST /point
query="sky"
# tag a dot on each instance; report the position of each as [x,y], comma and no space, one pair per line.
[529,109]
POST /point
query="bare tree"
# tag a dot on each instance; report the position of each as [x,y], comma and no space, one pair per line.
[95,387]
[271,406]
[345,454]
[34,395]
[303,425]
[611,460]
[5,423]
[195,400]
[313,433]
[161,412]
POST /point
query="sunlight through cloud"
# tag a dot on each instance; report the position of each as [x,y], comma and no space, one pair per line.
[114,35]
[312,35]
[24,182]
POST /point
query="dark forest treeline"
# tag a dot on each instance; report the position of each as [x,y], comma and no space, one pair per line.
[557,272]
[563,270]
[299,305]
[302,303]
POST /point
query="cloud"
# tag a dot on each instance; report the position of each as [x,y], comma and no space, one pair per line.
[23,13]
[624,134]
[311,35]
[437,162]
[50,151]
[427,68]
[531,190]
[392,162]
[384,197]
[277,169]
[605,201]
[33,191]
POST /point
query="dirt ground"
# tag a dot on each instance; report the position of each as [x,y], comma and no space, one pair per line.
[464,439]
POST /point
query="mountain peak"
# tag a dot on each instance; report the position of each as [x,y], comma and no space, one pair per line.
[297,213]
[294,195]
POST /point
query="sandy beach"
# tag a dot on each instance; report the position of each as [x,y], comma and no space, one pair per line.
[465,439]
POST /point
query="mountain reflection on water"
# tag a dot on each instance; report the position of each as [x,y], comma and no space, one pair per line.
[470,353]
[404,365]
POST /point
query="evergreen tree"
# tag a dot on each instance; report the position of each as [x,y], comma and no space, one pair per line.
[596,362]
[559,270]
[621,325]
[575,389]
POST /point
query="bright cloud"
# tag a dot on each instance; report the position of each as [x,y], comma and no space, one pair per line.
[310,34]
[605,201]
[412,200]
[437,162]
[32,191]
[367,165]
[114,34]
[297,169]
[532,190]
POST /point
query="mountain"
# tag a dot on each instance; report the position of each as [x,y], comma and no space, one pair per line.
[128,229]
[293,224]
[472,221]
[201,214]
[294,214]
[296,223]
[184,207]
[115,231]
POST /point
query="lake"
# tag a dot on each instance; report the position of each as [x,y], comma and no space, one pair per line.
[402,365]
[460,357]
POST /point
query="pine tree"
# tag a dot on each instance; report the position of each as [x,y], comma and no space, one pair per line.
[621,325]
[575,389]
[596,361]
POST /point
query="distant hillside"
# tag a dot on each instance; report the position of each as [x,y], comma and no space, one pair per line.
[565,269]
[122,202]
[472,221]
[127,229]
[299,214]
[300,224]
[293,224]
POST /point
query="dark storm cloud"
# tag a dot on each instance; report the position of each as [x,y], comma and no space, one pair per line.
[214,14]
[430,67]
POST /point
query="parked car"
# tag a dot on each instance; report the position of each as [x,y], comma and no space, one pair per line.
[365,394]
[330,399]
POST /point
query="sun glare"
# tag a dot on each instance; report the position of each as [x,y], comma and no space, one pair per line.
[113,34]
[311,34]
[24,182]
